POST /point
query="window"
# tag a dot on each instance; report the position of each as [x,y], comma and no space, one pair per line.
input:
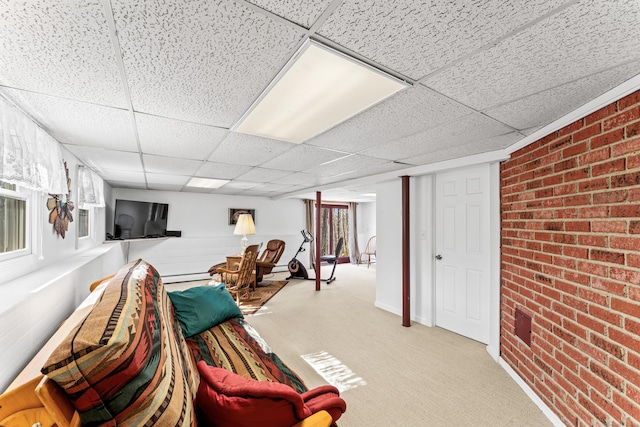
[83,223]
[334,224]
[13,219]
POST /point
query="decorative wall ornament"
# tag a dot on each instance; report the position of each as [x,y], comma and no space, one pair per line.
[60,211]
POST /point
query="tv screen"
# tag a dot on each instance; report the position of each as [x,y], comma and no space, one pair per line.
[133,219]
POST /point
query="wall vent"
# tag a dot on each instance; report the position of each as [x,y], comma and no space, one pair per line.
[523,326]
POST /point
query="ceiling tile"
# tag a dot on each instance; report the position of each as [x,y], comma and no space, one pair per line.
[167,137]
[244,185]
[103,160]
[270,187]
[304,12]
[301,157]
[467,149]
[248,150]
[344,165]
[263,175]
[59,48]
[201,61]
[546,106]
[416,38]
[161,164]
[76,122]
[221,170]
[165,179]
[471,128]
[410,111]
[297,178]
[120,176]
[568,46]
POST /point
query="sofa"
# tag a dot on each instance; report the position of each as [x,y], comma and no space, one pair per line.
[144,356]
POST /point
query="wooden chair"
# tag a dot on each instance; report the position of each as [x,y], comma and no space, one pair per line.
[268,258]
[369,250]
[238,282]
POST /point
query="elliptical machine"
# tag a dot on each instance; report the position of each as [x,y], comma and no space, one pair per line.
[296,268]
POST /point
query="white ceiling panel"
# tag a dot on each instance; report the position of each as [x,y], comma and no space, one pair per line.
[221,170]
[543,107]
[240,149]
[298,178]
[475,127]
[161,164]
[164,179]
[263,175]
[573,44]
[410,111]
[416,38]
[73,122]
[303,156]
[344,165]
[59,48]
[120,176]
[102,159]
[201,61]
[167,137]
[304,12]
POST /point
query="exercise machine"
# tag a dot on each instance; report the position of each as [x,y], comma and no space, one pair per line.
[296,268]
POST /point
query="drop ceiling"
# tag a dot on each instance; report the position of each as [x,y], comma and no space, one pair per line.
[145,92]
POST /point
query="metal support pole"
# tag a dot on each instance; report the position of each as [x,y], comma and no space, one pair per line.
[406,239]
[318,237]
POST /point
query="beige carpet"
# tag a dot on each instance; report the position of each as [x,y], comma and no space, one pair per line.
[417,376]
[265,290]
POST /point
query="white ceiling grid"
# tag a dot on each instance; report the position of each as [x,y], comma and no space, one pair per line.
[146,92]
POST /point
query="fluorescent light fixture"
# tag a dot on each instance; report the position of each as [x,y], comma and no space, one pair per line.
[318,89]
[206,182]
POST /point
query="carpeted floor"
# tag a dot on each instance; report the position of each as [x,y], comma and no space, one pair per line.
[265,290]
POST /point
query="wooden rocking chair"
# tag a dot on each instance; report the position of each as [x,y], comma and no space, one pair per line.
[369,251]
[238,282]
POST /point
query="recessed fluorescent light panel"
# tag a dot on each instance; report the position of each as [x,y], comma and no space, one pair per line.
[318,89]
[206,182]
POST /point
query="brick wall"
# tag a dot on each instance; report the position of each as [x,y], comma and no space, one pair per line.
[571,260]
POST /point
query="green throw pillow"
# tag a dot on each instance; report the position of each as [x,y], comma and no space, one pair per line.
[202,307]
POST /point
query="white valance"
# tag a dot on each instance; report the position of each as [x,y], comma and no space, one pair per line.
[29,157]
[90,188]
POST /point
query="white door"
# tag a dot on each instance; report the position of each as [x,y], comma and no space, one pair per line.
[462,252]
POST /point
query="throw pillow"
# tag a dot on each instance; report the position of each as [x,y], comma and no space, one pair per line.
[226,399]
[202,307]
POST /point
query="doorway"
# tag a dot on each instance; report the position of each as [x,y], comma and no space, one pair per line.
[462,252]
[334,224]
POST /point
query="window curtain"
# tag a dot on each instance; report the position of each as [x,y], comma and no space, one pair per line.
[29,157]
[311,227]
[354,251]
[90,188]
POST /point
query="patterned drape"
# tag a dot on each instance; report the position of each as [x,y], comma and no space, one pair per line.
[29,157]
[310,223]
[90,188]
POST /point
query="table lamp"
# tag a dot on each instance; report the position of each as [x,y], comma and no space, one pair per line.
[245,226]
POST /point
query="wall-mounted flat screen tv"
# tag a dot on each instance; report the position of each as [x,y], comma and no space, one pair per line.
[134,219]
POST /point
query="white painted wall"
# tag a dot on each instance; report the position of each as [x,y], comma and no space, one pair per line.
[207,236]
[366,223]
[389,248]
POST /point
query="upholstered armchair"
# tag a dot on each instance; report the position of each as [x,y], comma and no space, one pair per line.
[268,258]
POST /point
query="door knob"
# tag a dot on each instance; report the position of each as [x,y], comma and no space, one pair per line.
[438,257]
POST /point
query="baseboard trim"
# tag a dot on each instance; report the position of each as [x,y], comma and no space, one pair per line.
[555,420]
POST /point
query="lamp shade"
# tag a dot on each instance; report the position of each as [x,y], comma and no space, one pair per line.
[245,225]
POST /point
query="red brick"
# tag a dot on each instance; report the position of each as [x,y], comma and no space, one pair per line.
[629,243]
[606,405]
[633,162]
[626,147]
[633,260]
[594,185]
[607,375]
[594,212]
[609,197]
[588,132]
[627,340]
[631,408]
[608,286]
[622,119]
[632,326]
[632,130]
[607,168]
[625,275]
[576,252]
[625,180]
[605,314]
[574,150]
[629,100]
[577,200]
[625,211]
[607,138]
[608,226]
[625,306]
[605,256]
[598,413]
[576,174]
[634,361]
[591,323]
[619,367]
[593,240]
[601,114]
